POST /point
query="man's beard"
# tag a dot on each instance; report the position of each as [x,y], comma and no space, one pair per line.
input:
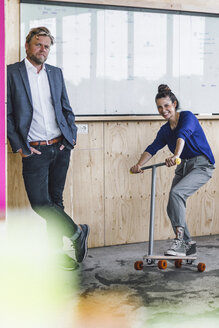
[38,61]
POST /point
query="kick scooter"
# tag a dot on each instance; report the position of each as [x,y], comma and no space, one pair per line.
[161,260]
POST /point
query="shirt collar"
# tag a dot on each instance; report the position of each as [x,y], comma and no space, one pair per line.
[30,66]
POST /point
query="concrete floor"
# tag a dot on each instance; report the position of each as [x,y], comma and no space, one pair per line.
[155,298]
[105,291]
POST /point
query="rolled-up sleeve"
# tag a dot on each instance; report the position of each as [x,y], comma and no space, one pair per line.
[158,143]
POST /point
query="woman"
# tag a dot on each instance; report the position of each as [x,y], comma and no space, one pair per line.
[185,138]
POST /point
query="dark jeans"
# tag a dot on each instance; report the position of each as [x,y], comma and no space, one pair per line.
[44,178]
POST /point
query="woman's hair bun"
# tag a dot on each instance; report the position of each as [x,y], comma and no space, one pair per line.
[163,88]
[165,91]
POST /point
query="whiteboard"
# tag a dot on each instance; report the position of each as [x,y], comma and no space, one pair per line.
[113,59]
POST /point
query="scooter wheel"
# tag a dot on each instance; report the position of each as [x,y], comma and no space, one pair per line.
[138,265]
[162,264]
[178,263]
[201,267]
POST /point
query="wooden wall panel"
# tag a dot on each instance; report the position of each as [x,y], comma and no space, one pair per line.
[127,196]
[12,28]
[16,194]
[203,207]
[84,190]
[115,203]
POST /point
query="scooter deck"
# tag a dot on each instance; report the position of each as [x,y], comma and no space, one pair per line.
[169,257]
[163,259]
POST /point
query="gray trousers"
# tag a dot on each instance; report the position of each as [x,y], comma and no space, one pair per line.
[190,175]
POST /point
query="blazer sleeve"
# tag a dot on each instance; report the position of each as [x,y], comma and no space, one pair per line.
[67,110]
[15,139]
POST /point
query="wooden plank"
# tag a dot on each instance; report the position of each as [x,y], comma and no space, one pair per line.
[127,196]
[12,31]
[16,193]
[134,118]
[158,4]
[206,6]
[112,118]
[84,190]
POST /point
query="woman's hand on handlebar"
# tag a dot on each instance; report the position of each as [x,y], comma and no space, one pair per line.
[171,161]
[136,169]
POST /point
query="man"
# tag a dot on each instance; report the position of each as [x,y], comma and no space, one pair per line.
[41,127]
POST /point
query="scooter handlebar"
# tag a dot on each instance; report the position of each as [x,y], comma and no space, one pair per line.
[178,161]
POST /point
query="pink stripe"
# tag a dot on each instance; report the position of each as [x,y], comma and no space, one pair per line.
[2,111]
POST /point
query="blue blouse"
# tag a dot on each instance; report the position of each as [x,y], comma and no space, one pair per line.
[190,130]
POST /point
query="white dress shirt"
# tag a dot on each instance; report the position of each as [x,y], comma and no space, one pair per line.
[44,125]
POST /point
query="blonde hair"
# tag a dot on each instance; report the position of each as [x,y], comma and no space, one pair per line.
[39,31]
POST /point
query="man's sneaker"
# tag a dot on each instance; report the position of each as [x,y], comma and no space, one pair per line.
[191,248]
[65,262]
[177,248]
[80,244]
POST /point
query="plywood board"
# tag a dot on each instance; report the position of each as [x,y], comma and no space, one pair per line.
[127,196]
[84,191]
[16,194]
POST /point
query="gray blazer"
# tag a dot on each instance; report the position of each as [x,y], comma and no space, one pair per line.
[20,107]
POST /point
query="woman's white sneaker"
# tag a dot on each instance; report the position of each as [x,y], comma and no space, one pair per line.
[177,248]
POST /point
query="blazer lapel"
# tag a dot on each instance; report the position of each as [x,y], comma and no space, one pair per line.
[24,75]
[51,83]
